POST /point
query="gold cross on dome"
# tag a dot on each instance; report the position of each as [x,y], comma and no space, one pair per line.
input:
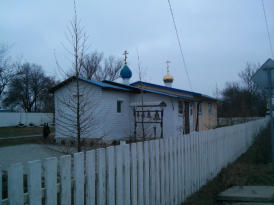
[167,65]
[125,54]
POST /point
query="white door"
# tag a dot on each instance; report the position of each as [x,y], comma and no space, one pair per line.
[191,117]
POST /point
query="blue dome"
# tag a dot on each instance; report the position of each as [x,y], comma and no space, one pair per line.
[125,72]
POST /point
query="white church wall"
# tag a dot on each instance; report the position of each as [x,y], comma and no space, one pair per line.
[116,125]
[65,117]
[170,113]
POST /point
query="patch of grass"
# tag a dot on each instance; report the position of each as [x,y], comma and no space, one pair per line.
[252,168]
[32,140]
[21,131]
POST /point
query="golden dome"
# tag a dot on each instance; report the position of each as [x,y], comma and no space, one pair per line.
[168,78]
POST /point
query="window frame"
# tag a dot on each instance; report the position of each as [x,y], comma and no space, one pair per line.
[210,108]
[119,106]
[200,108]
[180,107]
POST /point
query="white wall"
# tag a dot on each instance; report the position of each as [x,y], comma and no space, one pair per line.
[65,116]
[116,125]
[14,118]
[171,118]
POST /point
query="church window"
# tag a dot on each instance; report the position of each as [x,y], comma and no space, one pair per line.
[119,106]
[180,107]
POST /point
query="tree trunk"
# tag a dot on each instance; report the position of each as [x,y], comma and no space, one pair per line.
[78,115]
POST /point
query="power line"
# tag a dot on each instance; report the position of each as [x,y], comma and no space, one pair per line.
[267,29]
[179,43]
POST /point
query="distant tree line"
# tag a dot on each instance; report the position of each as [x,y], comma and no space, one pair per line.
[26,87]
[242,99]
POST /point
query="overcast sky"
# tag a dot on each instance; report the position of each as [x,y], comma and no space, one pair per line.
[218,36]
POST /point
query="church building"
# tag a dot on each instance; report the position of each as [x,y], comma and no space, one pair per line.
[115,111]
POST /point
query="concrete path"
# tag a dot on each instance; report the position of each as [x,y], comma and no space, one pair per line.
[248,194]
[24,153]
[20,137]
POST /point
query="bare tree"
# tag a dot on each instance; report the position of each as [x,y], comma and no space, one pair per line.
[95,67]
[91,64]
[140,73]
[28,88]
[6,68]
[76,105]
[246,77]
[110,71]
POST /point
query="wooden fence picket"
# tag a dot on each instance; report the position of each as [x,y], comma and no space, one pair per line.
[78,176]
[119,180]
[162,171]
[90,177]
[133,174]
[15,184]
[101,176]
[65,172]
[0,185]
[140,173]
[34,182]
[126,175]
[110,165]
[167,175]
[146,173]
[50,166]
[152,172]
[157,173]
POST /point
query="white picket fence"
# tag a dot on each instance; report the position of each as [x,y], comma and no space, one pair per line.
[164,171]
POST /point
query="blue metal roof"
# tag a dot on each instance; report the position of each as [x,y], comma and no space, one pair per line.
[151,91]
[103,84]
[167,88]
[94,82]
[172,89]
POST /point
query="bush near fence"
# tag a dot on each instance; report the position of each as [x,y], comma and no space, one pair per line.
[164,171]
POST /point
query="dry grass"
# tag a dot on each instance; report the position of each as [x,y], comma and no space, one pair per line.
[252,168]
[19,131]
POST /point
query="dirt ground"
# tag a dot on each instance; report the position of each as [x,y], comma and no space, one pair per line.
[252,168]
